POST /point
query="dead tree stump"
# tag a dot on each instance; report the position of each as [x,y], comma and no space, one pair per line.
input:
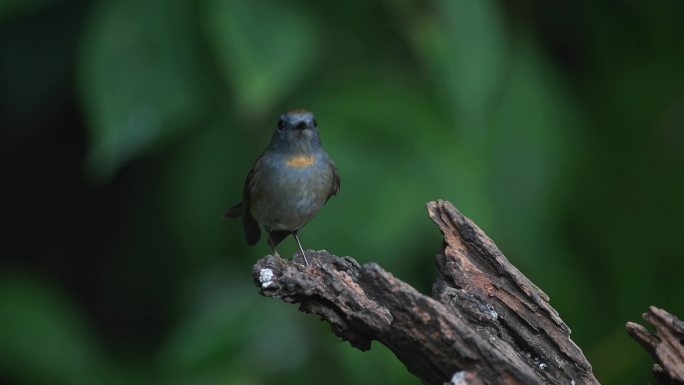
[485,323]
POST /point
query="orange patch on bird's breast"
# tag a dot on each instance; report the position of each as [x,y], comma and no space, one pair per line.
[300,161]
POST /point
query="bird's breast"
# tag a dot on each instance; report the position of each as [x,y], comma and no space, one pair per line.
[290,190]
[300,161]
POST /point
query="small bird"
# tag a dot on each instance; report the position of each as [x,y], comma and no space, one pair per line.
[289,182]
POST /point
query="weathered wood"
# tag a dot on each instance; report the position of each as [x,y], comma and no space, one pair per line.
[486,323]
[665,345]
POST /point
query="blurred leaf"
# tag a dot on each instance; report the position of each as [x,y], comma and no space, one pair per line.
[264,47]
[533,139]
[43,340]
[463,44]
[140,80]
[224,316]
[200,181]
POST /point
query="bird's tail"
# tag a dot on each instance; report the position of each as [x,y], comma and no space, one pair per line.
[235,211]
[252,231]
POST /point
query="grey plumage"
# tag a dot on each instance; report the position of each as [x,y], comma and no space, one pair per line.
[289,182]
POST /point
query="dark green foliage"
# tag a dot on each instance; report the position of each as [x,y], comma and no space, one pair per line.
[128,127]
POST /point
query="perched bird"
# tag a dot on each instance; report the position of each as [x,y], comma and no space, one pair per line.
[289,182]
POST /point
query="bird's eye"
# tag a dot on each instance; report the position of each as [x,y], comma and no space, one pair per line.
[315,123]
[281,125]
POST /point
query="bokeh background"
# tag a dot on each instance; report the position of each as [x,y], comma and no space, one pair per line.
[128,126]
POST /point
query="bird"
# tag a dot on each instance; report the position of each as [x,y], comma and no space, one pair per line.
[288,184]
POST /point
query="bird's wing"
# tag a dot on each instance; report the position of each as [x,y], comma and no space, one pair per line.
[241,208]
[252,181]
[251,227]
[335,188]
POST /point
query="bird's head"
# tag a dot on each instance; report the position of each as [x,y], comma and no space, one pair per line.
[297,130]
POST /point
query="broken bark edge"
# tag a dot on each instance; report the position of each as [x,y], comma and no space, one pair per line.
[665,344]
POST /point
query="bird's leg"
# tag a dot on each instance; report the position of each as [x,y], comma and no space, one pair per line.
[301,249]
[271,243]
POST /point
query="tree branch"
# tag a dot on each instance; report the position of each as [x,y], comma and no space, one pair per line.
[486,323]
[666,345]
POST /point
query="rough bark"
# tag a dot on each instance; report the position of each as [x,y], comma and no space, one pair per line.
[666,345]
[485,323]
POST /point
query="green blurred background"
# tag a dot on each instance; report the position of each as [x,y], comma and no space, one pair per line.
[128,126]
